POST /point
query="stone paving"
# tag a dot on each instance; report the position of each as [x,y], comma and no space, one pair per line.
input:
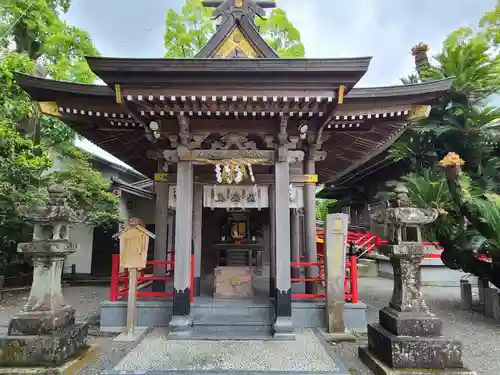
[480,335]
[157,352]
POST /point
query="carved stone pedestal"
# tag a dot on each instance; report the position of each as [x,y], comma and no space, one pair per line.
[408,339]
[233,282]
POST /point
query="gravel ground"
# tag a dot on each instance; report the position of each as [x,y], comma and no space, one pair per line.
[478,334]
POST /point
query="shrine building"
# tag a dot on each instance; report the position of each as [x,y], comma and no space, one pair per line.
[236,140]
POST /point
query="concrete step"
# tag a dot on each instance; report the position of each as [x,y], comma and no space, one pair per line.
[237,335]
[232,323]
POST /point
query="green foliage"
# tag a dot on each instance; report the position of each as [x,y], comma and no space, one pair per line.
[322,207]
[21,172]
[49,40]
[468,205]
[41,43]
[186,33]
[281,35]
[88,191]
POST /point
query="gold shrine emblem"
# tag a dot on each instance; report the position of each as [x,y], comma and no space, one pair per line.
[419,112]
[238,3]
[49,108]
[234,281]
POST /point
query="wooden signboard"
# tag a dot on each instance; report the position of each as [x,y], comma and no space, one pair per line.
[134,242]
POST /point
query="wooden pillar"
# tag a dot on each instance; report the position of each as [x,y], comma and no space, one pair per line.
[335,240]
[197,223]
[310,224]
[272,244]
[283,326]
[183,236]
[161,227]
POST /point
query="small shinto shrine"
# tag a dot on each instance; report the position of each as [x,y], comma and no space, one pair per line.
[236,140]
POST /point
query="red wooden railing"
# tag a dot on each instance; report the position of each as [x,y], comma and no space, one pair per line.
[120,280]
[350,280]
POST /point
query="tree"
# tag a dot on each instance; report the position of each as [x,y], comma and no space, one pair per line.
[38,42]
[186,33]
[462,122]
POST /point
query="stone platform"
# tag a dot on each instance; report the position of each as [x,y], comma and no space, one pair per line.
[39,350]
[157,354]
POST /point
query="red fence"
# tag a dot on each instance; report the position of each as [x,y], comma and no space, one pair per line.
[120,280]
[350,280]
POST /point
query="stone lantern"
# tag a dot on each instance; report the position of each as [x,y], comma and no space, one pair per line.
[408,339]
[45,333]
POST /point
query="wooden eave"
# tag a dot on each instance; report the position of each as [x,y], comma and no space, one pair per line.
[348,151]
[243,73]
[348,146]
[116,183]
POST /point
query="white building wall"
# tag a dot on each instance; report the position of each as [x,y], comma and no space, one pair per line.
[82,235]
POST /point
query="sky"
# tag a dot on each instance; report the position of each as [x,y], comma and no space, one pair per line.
[384,29]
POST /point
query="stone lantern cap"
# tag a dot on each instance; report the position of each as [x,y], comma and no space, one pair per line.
[397,211]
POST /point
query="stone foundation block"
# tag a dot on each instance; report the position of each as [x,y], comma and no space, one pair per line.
[283,329]
[410,324]
[466,294]
[43,350]
[490,302]
[41,322]
[379,368]
[414,352]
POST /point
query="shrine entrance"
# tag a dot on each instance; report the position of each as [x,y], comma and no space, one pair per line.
[235,252]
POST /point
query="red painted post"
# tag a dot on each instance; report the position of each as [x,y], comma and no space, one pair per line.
[354,278]
[115,270]
[191,289]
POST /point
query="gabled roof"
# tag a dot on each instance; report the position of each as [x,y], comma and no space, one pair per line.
[239,18]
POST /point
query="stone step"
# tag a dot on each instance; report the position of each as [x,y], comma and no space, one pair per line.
[230,323]
[235,334]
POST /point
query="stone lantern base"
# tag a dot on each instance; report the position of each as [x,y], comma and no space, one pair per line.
[43,350]
[380,368]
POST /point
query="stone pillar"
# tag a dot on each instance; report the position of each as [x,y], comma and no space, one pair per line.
[161,219]
[295,241]
[408,339]
[335,239]
[183,242]
[170,239]
[310,224]
[272,243]
[283,326]
[197,223]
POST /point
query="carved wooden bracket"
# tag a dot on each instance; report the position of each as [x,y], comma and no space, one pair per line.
[196,140]
[183,129]
[228,140]
[320,155]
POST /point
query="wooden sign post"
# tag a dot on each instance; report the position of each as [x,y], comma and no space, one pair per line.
[335,249]
[134,241]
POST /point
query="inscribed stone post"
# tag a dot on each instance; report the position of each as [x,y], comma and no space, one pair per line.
[335,245]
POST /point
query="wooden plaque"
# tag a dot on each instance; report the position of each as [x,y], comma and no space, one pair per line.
[133,248]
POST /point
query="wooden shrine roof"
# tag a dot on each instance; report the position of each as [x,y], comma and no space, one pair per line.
[365,125]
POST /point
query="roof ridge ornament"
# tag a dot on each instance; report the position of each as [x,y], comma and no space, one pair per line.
[238,8]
